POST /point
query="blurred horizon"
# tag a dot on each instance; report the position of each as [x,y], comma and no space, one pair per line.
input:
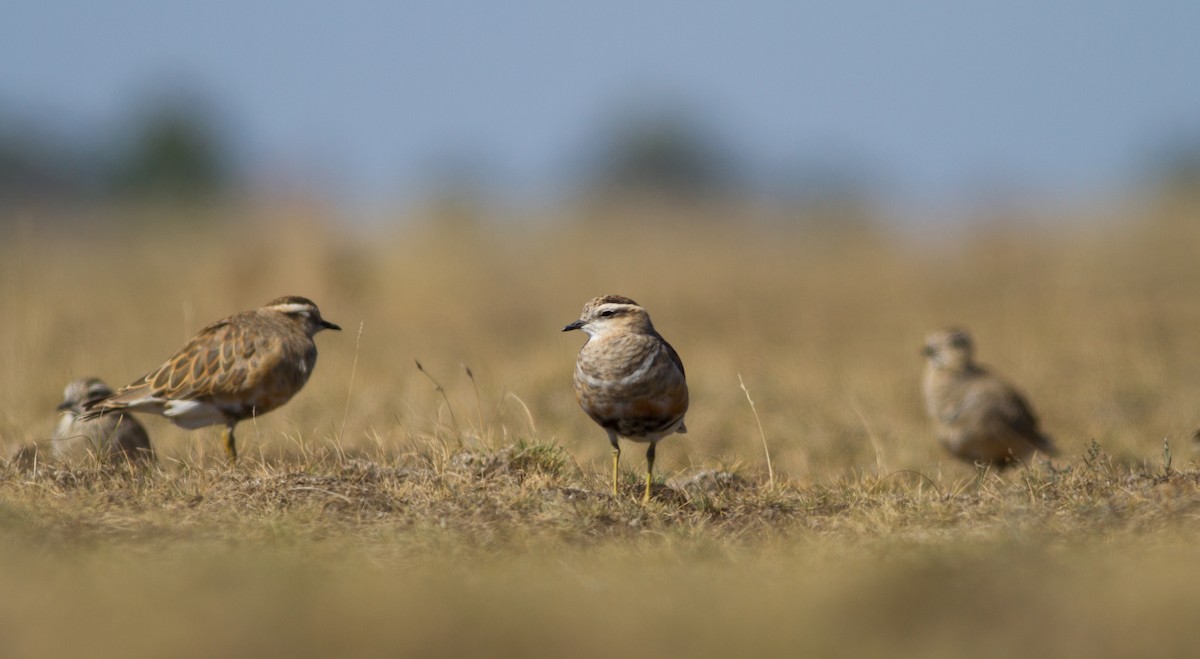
[936,108]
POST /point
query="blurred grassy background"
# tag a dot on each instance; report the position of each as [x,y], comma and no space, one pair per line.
[1092,318]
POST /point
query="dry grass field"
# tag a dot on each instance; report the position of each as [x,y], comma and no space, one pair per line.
[462,510]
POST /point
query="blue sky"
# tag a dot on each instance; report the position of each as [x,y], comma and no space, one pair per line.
[1065,99]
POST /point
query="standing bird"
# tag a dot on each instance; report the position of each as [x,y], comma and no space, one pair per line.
[111,438]
[628,378]
[979,417]
[243,366]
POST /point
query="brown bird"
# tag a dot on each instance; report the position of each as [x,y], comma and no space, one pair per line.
[628,378]
[243,366]
[113,437]
[979,417]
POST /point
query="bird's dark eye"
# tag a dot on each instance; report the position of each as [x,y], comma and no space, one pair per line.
[608,313]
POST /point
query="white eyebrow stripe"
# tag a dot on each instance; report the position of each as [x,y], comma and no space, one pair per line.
[293,308]
[615,306]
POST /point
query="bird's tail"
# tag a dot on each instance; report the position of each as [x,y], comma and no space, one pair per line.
[94,408]
[130,397]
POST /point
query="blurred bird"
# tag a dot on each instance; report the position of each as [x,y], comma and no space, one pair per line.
[979,417]
[628,378]
[112,437]
[243,366]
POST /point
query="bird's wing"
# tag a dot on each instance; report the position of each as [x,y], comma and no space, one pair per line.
[214,362]
[1007,413]
[674,356]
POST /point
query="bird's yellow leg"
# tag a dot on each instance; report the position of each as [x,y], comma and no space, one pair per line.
[230,445]
[616,460]
[616,453]
[649,472]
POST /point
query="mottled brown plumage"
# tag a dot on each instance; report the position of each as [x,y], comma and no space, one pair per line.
[628,378]
[979,417]
[242,366]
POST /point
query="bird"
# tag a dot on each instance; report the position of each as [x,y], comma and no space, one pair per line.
[111,437]
[628,378]
[979,417]
[239,367]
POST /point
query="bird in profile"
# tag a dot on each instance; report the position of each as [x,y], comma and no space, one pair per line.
[628,378]
[111,438]
[243,366]
[979,417]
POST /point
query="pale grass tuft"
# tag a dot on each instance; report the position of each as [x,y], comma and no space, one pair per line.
[478,402]
[350,387]
[441,390]
[528,414]
[761,434]
[876,446]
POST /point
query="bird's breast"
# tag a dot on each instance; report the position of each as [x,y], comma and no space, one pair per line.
[631,385]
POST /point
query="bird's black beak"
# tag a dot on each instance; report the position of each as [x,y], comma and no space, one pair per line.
[325,324]
[573,326]
[927,351]
[64,406]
